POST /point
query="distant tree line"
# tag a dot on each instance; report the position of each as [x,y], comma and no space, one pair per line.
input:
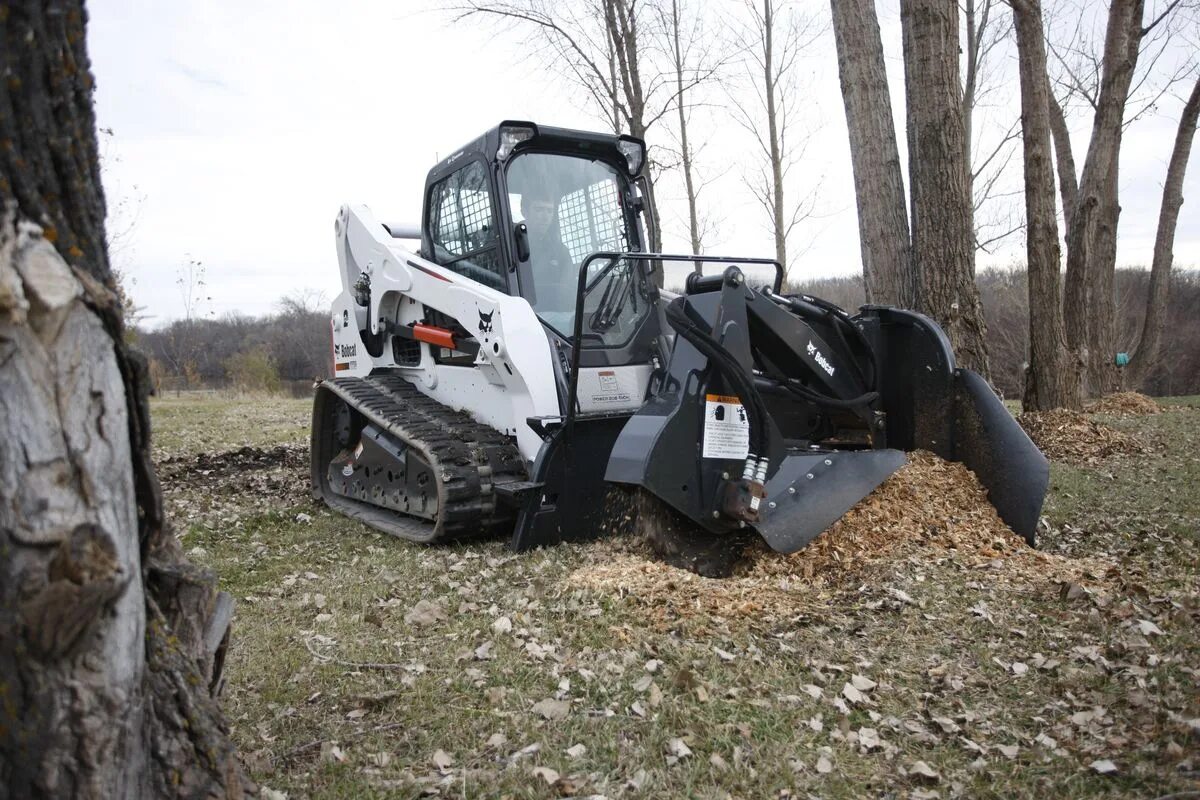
[292,345]
[1005,299]
[242,352]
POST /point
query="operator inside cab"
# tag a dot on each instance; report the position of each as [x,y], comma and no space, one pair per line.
[571,207]
[550,261]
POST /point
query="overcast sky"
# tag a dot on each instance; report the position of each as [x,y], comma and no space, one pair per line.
[239,128]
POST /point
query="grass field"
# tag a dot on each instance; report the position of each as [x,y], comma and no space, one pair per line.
[364,666]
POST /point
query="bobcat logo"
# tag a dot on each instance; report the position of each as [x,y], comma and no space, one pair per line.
[485,321]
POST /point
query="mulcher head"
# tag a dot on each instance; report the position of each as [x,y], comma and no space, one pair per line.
[778,413]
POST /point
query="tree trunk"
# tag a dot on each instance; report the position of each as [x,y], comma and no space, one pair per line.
[685,152]
[110,644]
[878,177]
[942,231]
[1051,380]
[770,85]
[1145,356]
[1088,304]
[1068,180]
[622,28]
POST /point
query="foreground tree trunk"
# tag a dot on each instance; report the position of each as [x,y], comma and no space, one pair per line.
[878,177]
[942,230]
[110,643]
[1146,354]
[1051,380]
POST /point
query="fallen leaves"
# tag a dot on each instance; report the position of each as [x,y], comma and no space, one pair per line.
[442,761]
[678,748]
[424,613]
[551,709]
[923,772]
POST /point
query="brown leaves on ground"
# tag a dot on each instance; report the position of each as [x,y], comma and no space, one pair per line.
[223,486]
[930,508]
[263,471]
[1125,404]
[1073,437]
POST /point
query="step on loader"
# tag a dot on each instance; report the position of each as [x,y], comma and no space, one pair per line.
[510,366]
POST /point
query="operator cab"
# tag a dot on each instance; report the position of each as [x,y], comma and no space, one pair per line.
[520,210]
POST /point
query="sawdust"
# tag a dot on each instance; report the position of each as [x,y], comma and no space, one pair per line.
[930,509]
[1073,437]
[1125,404]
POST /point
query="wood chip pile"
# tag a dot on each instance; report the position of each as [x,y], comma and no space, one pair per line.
[929,510]
[1073,437]
[1125,404]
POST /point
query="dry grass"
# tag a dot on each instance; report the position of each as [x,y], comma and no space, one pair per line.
[1007,671]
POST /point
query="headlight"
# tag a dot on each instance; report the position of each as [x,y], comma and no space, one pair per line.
[511,136]
[634,152]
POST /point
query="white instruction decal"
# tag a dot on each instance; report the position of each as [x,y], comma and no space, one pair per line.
[726,429]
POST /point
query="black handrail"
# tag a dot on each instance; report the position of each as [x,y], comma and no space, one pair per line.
[582,289]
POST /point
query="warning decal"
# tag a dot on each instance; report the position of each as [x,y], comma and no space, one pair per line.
[726,429]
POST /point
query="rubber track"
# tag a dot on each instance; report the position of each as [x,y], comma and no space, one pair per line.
[469,458]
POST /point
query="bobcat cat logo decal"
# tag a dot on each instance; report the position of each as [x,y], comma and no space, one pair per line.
[485,321]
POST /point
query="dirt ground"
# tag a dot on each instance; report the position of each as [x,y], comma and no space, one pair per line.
[917,649]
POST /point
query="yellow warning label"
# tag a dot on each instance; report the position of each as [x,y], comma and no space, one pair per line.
[722,398]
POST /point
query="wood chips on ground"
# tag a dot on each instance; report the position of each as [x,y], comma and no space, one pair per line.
[1125,404]
[1071,436]
[929,510]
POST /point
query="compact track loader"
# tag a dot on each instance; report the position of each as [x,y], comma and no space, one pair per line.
[519,371]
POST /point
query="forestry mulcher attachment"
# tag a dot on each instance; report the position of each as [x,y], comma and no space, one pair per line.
[518,367]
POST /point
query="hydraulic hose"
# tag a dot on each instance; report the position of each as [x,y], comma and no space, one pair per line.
[721,360]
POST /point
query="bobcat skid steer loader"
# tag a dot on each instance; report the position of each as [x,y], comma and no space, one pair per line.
[516,362]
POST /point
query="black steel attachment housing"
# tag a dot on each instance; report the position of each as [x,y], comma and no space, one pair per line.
[843,396]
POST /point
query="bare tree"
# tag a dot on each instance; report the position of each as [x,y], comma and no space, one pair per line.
[942,231]
[604,46]
[1120,84]
[1146,353]
[878,176]
[110,643]
[1051,380]
[772,42]
[693,60]
[990,148]
[1091,239]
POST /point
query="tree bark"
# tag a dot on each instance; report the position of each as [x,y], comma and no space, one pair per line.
[110,644]
[1145,356]
[1051,380]
[942,230]
[1089,306]
[1064,157]
[878,177]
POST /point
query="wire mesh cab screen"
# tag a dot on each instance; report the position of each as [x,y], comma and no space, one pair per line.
[572,207]
[462,225]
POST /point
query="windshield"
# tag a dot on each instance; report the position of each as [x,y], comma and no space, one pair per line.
[573,207]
